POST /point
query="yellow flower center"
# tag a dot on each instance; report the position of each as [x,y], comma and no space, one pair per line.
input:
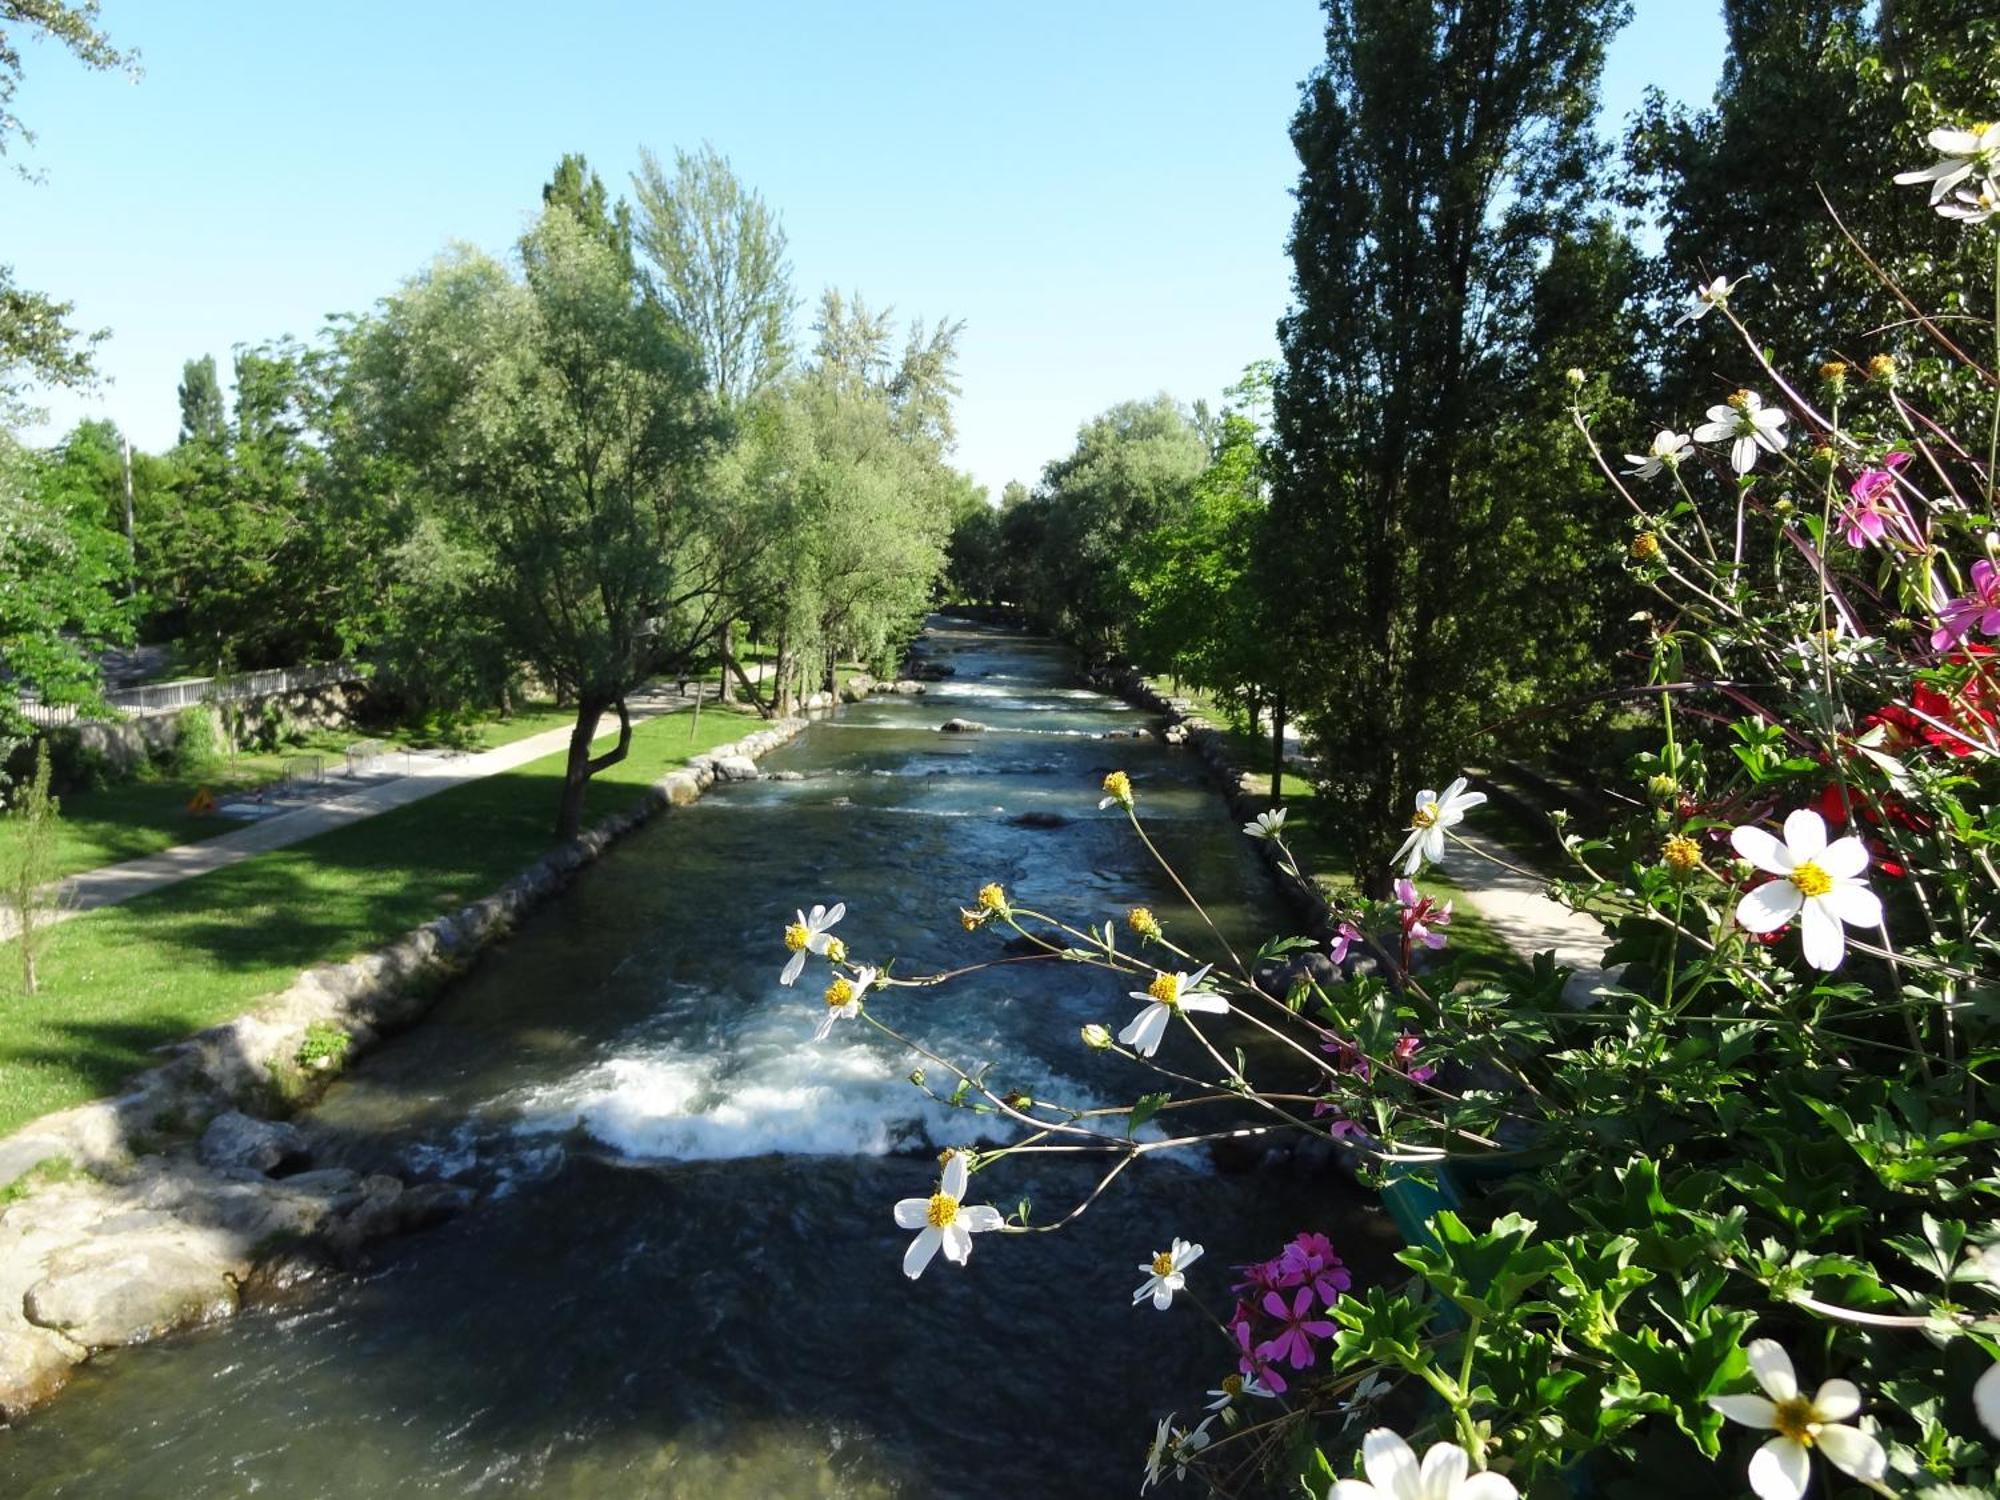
[1682,854]
[1982,127]
[1797,1419]
[1811,879]
[943,1212]
[836,950]
[1165,988]
[1645,546]
[992,897]
[1118,785]
[1882,366]
[1232,1385]
[839,993]
[1163,1264]
[1741,400]
[1142,921]
[1427,814]
[797,936]
[1833,369]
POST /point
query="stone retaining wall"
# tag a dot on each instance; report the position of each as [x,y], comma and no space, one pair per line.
[155,1210]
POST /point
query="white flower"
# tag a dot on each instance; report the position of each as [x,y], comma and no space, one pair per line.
[1986,1399]
[843,1000]
[1781,1469]
[1821,886]
[1705,299]
[1165,995]
[1748,425]
[944,1220]
[1962,153]
[808,935]
[1973,205]
[1234,1388]
[1669,451]
[1268,825]
[1433,816]
[1172,1446]
[1167,1274]
[1394,1474]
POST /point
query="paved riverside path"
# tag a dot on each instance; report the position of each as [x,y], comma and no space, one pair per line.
[1517,907]
[109,885]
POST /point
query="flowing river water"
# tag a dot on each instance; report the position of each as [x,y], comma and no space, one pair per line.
[682,1276]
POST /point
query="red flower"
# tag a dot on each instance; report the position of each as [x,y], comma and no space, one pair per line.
[1967,709]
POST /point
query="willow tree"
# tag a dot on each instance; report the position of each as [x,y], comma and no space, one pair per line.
[1444,148]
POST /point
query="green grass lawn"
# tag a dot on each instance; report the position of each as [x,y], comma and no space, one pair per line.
[131,819]
[119,982]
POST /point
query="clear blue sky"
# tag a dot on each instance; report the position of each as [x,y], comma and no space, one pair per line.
[1101,190]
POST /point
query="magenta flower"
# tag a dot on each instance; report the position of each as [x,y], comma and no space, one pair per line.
[1873,504]
[1978,610]
[1250,1360]
[1312,1258]
[1422,917]
[1343,940]
[1405,1052]
[1347,1058]
[1271,1275]
[1297,1328]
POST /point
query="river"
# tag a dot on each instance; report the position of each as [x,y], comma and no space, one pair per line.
[682,1276]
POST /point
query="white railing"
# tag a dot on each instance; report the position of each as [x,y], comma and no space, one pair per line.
[169,697]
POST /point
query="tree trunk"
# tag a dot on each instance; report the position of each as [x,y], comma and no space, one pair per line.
[581,766]
[1278,749]
[749,687]
[729,660]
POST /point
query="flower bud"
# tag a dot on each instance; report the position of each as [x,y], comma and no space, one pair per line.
[1682,855]
[993,898]
[1883,368]
[1660,786]
[1646,547]
[1142,921]
[1096,1037]
[1118,787]
[1574,376]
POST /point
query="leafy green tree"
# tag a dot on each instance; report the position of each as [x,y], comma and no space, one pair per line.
[1132,473]
[1443,148]
[580,190]
[715,257]
[204,414]
[558,426]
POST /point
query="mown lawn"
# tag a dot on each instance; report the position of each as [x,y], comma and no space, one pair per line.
[122,981]
[132,819]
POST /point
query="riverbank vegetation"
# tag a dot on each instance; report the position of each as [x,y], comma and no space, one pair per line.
[1688,450]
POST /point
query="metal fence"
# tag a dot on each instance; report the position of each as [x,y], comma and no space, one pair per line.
[170,697]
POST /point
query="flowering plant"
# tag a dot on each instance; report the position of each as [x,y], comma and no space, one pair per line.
[1773,1127]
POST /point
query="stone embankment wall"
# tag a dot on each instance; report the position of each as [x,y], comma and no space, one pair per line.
[126,1218]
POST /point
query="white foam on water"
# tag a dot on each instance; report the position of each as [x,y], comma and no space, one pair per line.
[770,1094]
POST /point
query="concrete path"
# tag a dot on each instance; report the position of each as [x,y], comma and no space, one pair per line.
[110,885]
[1516,907]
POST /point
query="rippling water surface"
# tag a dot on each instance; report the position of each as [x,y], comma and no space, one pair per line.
[682,1277]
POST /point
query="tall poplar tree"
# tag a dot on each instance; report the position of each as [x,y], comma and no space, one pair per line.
[1445,149]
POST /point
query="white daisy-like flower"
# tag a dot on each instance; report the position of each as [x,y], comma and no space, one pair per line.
[1174,1448]
[1820,884]
[1166,1274]
[843,1000]
[1267,825]
[1986,1399]
[1165,995]
[1781,1469]
[944,1221]
[1746,424]
[1961,154]
[1235,1388]
[1973,205]
[809,935]
[1435,813]
[1704,300]
[1669,451]
[1394,1474]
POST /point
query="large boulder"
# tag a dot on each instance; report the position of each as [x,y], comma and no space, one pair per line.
[736,768]
[128,1288]
[961,726]
[235,1140]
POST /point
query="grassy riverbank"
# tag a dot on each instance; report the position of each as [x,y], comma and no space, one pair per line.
[132,819]
[120,982]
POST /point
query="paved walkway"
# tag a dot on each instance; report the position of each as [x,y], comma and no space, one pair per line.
[1516,907]
[109,885]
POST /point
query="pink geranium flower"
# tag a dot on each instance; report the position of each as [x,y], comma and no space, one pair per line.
[1977,610]
[1405,1053]
[1344,940]
[1251,1360]
[1297,1328]
[1873,504]
[1422,917]
[1312,1258]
